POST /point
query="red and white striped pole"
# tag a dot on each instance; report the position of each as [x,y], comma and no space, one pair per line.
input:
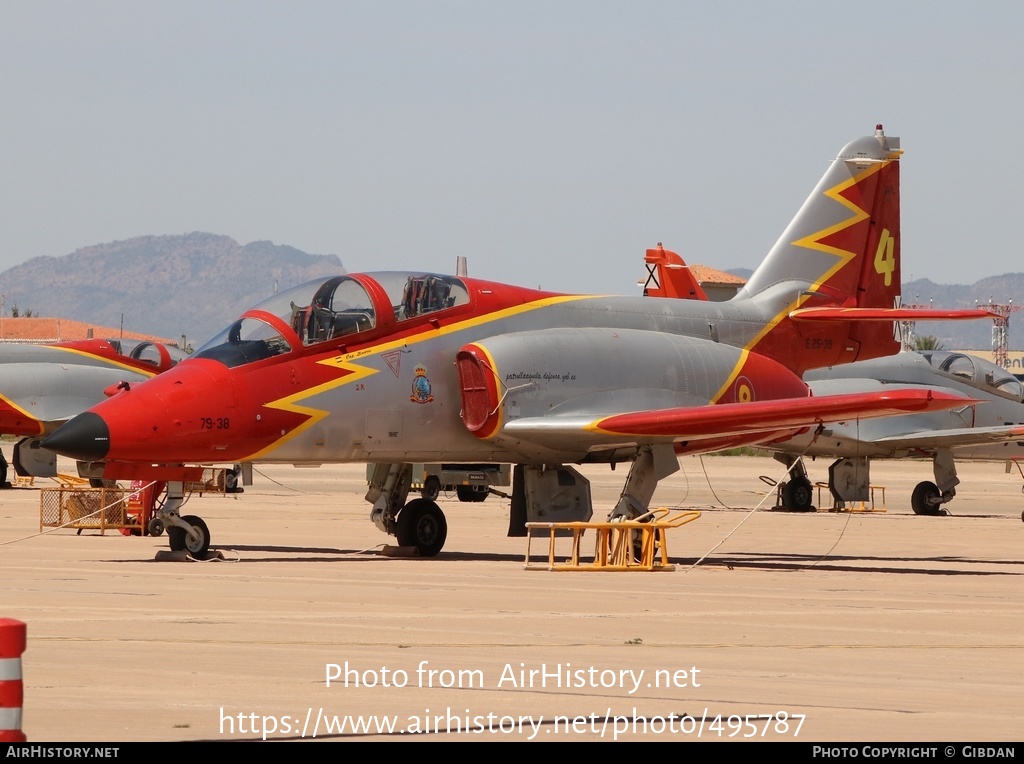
[12,645]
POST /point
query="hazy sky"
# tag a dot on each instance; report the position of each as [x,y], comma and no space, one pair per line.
[550,142]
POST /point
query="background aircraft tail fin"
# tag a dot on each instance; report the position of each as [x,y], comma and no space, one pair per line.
[841,250]
[669,276]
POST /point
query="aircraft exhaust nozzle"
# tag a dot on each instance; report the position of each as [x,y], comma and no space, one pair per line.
[85,438]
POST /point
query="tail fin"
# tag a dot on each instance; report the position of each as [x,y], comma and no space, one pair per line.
[669,276]
[842,250]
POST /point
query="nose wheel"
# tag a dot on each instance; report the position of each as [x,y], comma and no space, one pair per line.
[196,543]
[155,527]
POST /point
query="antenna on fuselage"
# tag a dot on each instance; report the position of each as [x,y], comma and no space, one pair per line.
[460,266]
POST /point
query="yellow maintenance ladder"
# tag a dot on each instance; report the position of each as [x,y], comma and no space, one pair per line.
[614,549]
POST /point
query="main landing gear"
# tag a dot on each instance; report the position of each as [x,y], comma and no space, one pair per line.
[421,524]
[797,493]
[927,499]
[540,493]
[849,481]
[418,523]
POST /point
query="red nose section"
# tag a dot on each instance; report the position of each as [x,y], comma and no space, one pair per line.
[199,412]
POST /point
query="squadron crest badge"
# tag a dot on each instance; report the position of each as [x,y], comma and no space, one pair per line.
[421,386]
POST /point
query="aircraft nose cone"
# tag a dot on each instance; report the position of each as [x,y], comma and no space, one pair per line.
[86,438]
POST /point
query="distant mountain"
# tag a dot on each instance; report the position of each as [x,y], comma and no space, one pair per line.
[167,286]
[969,335]
[194,284]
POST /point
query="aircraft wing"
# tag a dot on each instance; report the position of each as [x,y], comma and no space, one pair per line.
[714,422]
[928,440]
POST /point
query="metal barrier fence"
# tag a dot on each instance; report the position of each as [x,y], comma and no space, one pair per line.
[86,509]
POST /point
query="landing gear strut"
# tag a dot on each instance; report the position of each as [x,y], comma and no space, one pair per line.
[184,534]
[652,463]
[929,497]
[419,523]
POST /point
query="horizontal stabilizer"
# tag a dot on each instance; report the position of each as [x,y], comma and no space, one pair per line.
[887,314]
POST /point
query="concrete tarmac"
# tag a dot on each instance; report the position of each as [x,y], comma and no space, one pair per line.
[808,627]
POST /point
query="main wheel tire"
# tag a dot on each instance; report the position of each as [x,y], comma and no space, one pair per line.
[431,488]
[798,495]
[421,524]
[925,499]
[470,493]
[179,540]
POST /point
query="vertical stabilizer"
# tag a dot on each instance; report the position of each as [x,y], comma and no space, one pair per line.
[841,250]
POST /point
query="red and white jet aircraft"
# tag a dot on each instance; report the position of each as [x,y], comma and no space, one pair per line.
[397,368]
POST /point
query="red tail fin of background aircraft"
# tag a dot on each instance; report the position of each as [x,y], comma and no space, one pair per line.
[669,276]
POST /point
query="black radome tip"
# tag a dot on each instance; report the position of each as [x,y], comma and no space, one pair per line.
[86,438]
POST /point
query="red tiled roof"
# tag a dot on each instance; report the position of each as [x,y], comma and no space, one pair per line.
[63,329]
[708,275]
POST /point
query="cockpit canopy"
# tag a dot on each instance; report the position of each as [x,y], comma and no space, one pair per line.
[324,310]
[161,357]
[982,374]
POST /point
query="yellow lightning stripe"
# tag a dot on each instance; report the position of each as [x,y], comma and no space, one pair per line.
[813,242]
[19,409]
[109,361]
[358,372]
[859,214]
[315,415]
[459,326]
[735,372]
